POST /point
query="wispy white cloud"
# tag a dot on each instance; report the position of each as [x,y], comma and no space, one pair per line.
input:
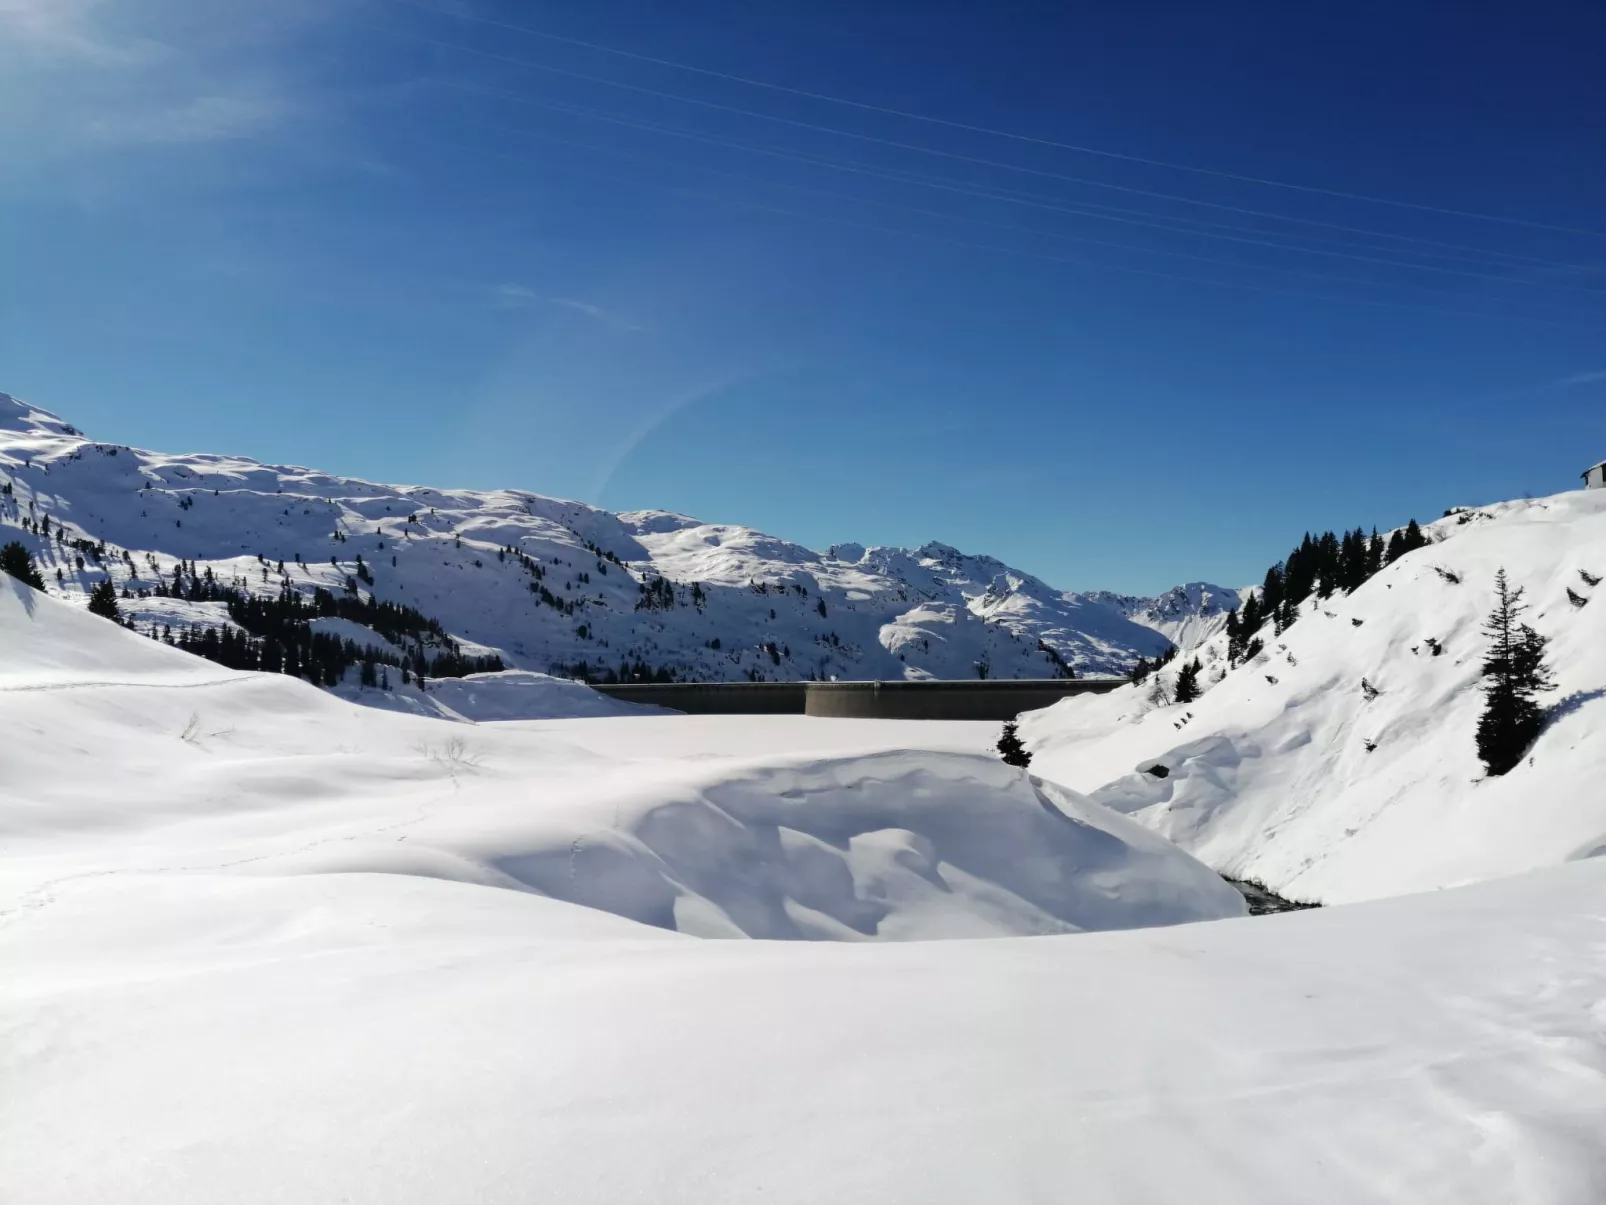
[582,307]
[1585,378]
[81,77]
[51,27]
[198,119]
[515,296]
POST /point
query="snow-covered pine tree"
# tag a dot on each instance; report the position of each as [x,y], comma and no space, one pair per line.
[1514,671]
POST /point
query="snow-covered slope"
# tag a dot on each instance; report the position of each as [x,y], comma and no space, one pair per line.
[1340,763]
[1186,615]
[892,845]
[211,996]
[264,945]
[581,585]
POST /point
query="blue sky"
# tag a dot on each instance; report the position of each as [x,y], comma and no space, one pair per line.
[414,243]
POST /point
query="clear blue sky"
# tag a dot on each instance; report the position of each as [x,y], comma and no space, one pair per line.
[424,246]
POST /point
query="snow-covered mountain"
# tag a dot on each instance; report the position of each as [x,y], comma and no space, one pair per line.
[1186,615]
[545,584]
[1339,763]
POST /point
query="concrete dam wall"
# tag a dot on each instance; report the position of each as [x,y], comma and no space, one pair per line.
[992,699]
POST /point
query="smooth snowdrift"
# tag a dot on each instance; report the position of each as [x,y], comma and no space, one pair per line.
[1340,765]
[585,586]
[203,1037]
[900,845]
[266,772]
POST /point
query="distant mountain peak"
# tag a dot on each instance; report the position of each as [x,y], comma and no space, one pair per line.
[546,584]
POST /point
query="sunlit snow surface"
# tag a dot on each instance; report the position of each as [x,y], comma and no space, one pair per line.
[263,946]
[1340,763]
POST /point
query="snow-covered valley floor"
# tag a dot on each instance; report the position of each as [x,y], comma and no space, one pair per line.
[264,945]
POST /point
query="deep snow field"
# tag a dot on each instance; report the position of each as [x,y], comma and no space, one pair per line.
[266,945]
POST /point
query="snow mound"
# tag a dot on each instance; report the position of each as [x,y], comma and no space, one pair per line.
[887,847]
[1340,764]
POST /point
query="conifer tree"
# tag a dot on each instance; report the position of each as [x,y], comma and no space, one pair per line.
[1011,748]
[1514,671]
[16,560]
[1271,592]
[103,602]
[1187,688]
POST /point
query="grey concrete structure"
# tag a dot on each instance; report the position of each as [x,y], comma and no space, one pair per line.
[716,698]
[1595,476]
[994,699]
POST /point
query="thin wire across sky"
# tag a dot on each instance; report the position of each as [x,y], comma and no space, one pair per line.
[1488,273]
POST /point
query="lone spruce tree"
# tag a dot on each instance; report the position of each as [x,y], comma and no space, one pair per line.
[1011,749]
[1514,671]
[1187,688]
[103,602]
[15,560]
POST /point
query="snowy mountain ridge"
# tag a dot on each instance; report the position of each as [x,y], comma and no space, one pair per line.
[547,585]
[1187,615]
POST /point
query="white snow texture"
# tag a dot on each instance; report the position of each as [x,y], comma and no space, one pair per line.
[262,944]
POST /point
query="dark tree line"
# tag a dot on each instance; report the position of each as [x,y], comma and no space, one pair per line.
[605,675]
[656,595]
[1321,565]
[1145,666]
[1062,668]
[278,636]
